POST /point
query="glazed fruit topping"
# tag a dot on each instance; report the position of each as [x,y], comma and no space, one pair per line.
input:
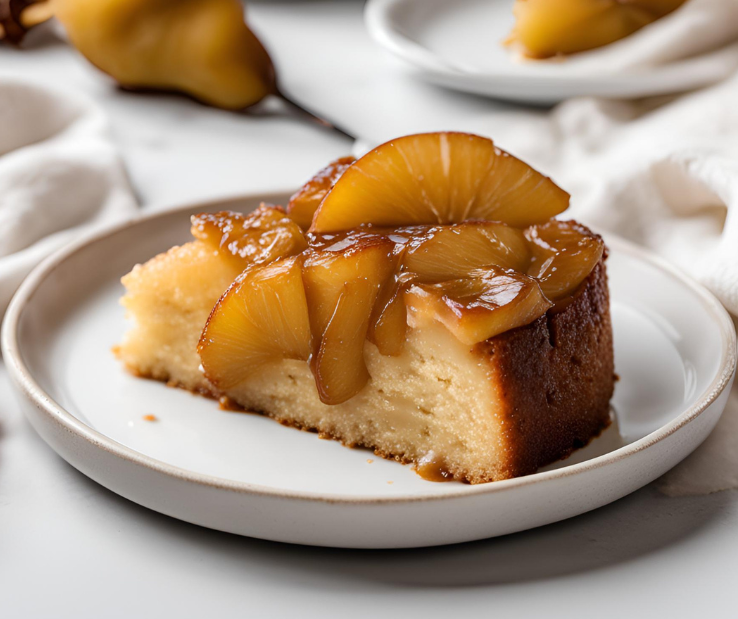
[319,296]
[563,254]
[262,317]
[480,305]
[259,237]
[438,178]
[444,252]
[342,280]
[305,202]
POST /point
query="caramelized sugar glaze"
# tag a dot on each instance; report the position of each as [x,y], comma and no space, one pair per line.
[439,227]
[332,291]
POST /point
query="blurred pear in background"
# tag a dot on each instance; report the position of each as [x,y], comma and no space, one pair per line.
[202,48]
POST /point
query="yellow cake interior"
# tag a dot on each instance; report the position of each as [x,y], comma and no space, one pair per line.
[169,299]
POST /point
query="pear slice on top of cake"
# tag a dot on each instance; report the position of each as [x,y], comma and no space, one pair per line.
[422,302]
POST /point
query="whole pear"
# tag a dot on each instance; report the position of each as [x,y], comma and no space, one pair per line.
[199,47]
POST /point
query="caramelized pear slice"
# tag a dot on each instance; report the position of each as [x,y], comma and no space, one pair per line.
[545,28]
[438,178]
[388,322]
[343,276]
[448,252]
[564,254]
[262,318]
[338,365]
[256,238]
[479,306]
[305,202]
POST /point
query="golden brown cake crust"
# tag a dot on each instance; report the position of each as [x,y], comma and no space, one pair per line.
[555,378]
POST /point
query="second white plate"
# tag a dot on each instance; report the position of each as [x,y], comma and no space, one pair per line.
[459,45]
[242,473]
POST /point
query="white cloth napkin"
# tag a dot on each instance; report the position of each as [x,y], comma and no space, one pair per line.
[697,27]
[663,173]
[60,174]
[664,176]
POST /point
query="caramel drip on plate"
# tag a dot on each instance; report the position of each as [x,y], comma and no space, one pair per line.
[432,468]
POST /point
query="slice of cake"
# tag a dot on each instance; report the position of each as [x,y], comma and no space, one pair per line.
[433,311]
[546,28]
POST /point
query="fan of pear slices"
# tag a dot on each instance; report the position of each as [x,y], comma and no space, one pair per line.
[439,227]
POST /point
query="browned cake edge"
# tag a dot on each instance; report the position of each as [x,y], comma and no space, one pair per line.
[556,377]
[206,389]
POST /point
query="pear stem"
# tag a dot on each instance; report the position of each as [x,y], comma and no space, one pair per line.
[314,117]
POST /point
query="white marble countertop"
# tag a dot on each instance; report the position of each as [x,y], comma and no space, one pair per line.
[70,548]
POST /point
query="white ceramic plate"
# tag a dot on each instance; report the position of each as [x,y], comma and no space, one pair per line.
[675,353]
[458,44]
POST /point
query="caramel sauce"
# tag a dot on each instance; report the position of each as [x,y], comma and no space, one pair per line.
[305,202]
[261,236]
[226,404]
[558,254]
[477,278]
[564,254]
[364,236]
[432,468]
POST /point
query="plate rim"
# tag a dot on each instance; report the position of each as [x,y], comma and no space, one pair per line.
[378,18]
[24,381]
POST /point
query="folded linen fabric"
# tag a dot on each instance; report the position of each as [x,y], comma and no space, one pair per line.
[662,173]
[60,174]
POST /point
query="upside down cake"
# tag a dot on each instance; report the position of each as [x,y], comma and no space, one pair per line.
[422,302]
